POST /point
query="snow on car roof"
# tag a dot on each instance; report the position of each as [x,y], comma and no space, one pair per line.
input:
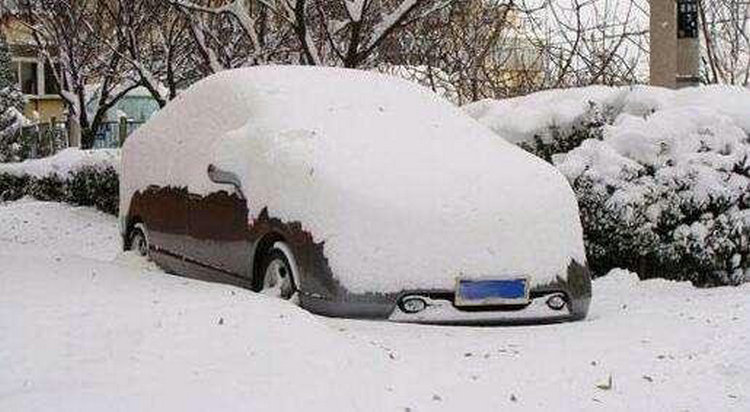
[404,189]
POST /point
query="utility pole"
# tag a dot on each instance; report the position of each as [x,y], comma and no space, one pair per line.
[675,47]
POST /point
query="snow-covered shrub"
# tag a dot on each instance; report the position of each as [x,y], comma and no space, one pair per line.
[553,118]
[13,187]
[94,186]
[80,177]
[88,186]
[559,139]
[49,188]
[662,181]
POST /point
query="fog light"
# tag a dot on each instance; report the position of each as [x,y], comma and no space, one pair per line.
[413,304]
[556,302]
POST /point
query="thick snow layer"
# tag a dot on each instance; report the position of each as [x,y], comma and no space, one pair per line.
[521,118]
[405,190]
[85,328]
[430,77]
[64,162]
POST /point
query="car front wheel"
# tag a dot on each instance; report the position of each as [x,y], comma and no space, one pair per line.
[278,270]
[139,240]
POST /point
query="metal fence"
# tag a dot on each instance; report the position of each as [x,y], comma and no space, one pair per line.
[112,134]
[46,139]
[40,140]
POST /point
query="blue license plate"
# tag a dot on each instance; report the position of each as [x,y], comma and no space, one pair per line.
[492,292]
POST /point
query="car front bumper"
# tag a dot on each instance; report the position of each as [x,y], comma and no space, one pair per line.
[574,287]
[443,311]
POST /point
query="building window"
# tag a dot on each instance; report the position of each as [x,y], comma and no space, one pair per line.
[32,80]
[50,81]
[29,77]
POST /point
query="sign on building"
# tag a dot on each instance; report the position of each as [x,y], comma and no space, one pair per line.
[687,19]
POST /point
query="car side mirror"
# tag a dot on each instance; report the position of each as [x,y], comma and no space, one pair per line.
[224,177]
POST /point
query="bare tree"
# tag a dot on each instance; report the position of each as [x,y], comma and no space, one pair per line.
[505,48]
[472,44]
[317,32]
[153,41]
[726,37]
[71,37]
[590,41]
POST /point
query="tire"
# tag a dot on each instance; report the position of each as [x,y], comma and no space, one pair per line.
[139,240]
[277,272]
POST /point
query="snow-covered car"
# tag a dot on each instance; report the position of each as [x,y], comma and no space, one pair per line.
[356,194]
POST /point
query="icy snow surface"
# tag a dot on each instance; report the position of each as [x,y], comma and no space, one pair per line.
[64,162]
[85,328]
[404,189]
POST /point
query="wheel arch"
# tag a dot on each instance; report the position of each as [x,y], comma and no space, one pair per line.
[262,247]
[130,223]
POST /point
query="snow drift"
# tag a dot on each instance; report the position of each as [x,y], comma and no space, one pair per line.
[402,187]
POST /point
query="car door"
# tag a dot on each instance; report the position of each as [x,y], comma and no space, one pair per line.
[217,227]
[165,213]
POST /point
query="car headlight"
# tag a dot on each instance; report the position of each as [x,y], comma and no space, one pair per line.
[413,304]
[556,301]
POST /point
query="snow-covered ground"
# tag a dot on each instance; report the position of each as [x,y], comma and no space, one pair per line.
[84,327]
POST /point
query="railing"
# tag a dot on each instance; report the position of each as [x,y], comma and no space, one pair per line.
[40,140]
[113,134]
[46,139]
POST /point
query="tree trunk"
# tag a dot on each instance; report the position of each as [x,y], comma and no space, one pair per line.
[87,138]
[74,132]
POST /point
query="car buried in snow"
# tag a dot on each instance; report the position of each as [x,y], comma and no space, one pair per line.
[355,194]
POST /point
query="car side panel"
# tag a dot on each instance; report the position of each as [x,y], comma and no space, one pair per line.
[218,236]
[201,237]
[164,211]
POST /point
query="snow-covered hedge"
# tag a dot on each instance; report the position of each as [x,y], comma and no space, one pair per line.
[85,178]
[662,177]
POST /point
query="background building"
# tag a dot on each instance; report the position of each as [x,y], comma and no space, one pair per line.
[35,79]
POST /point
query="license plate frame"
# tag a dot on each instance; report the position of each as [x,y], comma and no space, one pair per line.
[492,291]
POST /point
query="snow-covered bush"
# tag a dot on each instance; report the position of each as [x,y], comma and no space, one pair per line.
[662,181]
[49,188]
[80,177]
[88,186]
[13,187]
[93,186]
[562,140]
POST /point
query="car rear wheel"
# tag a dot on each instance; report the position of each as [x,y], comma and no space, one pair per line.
[139,240]
[278,271]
